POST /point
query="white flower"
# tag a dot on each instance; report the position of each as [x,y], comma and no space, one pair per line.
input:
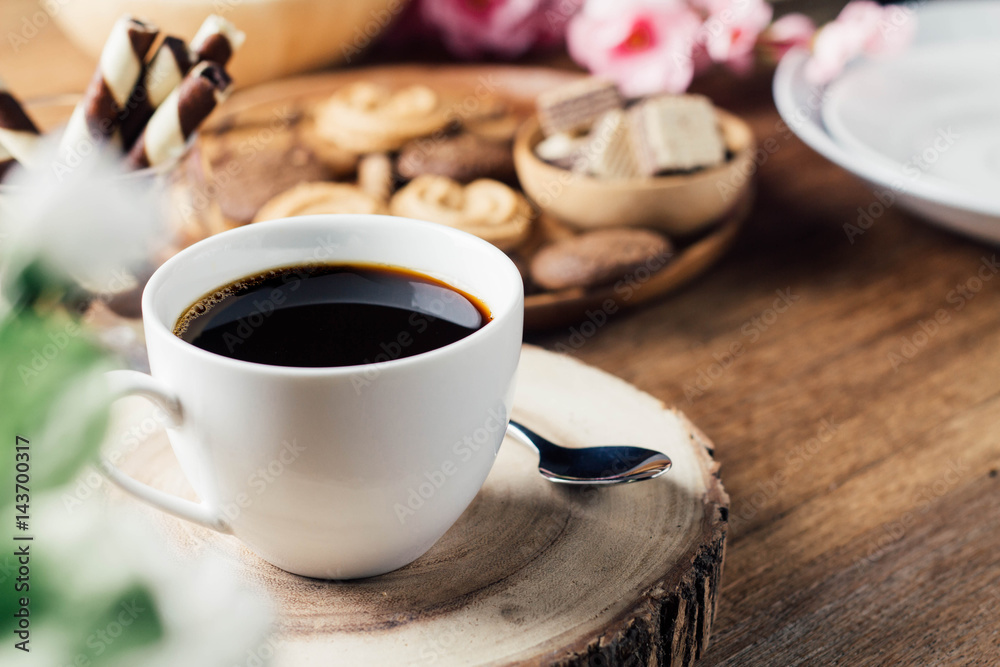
[95,555]
[88,223]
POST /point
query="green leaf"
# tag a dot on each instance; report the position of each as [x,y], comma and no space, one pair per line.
[51,392]
[127,623]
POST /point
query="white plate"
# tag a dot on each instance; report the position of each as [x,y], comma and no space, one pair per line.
[934,113]
[880,116]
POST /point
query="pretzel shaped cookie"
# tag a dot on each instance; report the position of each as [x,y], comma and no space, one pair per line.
[316,198]
[370,118]
[487,208]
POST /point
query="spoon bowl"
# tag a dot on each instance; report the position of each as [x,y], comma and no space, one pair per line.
[613,464]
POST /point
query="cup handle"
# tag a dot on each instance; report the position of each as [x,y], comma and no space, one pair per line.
[126,383]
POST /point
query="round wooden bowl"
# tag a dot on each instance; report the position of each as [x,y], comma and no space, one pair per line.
[283,36]
[679,205]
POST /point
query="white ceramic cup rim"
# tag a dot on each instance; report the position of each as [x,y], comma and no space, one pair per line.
[499,310]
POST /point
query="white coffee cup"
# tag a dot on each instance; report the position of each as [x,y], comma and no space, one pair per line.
[343,472]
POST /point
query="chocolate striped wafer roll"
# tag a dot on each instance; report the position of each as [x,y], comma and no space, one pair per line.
[204,88]
[18,133]
[216,40]
[171,62]
[98,114]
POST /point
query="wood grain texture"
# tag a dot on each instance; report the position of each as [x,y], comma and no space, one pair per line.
[818,570]
[533,572]
[36,59]
[857,433]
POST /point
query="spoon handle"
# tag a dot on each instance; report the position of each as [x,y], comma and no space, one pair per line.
[526,436]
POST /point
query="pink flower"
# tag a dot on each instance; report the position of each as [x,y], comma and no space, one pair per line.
[834,46]
[789,32]
[551,20]
[887,30]
[507,28]
[731,28]
[862,28]
[644,47]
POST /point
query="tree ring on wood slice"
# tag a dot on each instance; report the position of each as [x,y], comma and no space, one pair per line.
[533,572]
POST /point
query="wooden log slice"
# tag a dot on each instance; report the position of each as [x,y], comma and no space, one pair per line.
[533,572]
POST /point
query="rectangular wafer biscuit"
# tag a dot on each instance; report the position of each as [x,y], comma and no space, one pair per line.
[676,133]
[575,106]
[609,152]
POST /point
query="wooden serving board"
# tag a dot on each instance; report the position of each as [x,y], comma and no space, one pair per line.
[533,572]
[468,88]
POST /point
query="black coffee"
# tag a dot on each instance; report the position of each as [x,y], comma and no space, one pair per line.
[330,315]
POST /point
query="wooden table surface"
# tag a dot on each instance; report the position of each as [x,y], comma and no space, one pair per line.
[852,390]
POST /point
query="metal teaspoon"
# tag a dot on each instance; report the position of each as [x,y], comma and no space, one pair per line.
[616,464]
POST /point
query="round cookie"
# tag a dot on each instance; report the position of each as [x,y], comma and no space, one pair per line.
[369,118]
[488,209]
[462,157]
[317,198]
[341,162]
[598,258]
[240,171]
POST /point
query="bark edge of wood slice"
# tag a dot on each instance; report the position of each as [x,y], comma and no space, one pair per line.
[533,572]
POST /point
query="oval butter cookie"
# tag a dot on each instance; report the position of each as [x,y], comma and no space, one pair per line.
[317,198]
[489,209]
[369,118]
